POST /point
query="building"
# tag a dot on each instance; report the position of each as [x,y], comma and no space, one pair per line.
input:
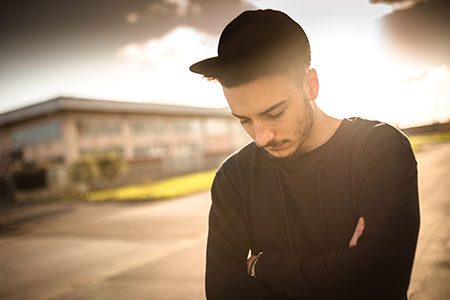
[156,140]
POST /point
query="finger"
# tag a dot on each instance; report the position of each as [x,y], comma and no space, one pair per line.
[353,241]
[358,232]
[360,228]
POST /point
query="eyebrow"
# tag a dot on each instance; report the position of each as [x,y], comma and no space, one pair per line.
[273,107]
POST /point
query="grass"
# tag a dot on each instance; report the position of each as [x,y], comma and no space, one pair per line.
[186,184]
[166,188]
[418,141]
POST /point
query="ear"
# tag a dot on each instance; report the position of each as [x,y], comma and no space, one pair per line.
[311,84]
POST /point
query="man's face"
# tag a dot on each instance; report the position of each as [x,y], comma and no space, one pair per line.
[274,111]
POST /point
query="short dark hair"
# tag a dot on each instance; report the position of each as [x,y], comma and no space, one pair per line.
[257,43]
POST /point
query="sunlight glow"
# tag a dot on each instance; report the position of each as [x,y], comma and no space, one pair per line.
[358,75]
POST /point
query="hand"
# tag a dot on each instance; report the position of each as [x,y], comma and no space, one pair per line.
[358,232]
[249,262]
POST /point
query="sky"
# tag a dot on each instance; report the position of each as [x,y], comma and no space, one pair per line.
[385,60]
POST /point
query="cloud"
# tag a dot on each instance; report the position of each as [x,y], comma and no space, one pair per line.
[178,47]
[159,8]
[159,68]
[196,9]
[132,18]
[211,16]
[398,4]
[421,33]
[180,8]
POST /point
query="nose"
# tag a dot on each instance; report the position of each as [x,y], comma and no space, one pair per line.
[263,134]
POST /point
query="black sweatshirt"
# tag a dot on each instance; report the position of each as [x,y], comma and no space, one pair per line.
[301,213]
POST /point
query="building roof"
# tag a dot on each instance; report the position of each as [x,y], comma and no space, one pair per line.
[102,106]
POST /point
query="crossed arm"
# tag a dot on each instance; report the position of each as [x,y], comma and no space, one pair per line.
[253,260]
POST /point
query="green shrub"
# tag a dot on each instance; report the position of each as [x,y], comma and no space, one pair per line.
[110,165]
[84,170]
[90,168]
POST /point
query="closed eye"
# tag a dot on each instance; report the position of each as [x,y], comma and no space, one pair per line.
[276,115]
[244,121]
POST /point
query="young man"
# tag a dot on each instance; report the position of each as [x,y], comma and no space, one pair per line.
[327,207]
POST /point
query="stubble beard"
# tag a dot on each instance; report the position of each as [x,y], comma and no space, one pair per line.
[306,122]
[303,130]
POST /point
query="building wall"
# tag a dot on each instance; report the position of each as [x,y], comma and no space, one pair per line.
[6,142]
[40,139]
[154,145]
[70,137]
[141,137]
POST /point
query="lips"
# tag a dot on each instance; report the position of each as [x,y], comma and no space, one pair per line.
[277,148]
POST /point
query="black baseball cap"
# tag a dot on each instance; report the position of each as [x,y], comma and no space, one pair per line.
[256,35]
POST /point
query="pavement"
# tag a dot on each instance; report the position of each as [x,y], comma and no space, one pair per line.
[430,277]
[150,250]
[156,250]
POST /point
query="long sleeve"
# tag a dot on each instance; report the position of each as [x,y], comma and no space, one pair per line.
[379,266]
[227,248]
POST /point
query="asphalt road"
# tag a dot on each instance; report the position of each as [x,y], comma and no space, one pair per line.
[430,278]
[105,251]
[156,250]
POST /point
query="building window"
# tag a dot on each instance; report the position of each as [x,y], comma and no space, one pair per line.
[109,127]
[147,126]
[56,160]
[217,126]
[186,125]
[150,151]
[182,125]
[185,150]
[113,149]
[40,133]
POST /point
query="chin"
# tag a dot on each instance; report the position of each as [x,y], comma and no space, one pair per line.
[289,152]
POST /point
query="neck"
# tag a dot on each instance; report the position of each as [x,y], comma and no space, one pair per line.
[323,128]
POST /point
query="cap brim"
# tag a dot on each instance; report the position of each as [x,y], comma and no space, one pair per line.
[207,67]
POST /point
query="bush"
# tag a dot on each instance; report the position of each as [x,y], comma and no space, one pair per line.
[90,168]
[84,170]
[110,165]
